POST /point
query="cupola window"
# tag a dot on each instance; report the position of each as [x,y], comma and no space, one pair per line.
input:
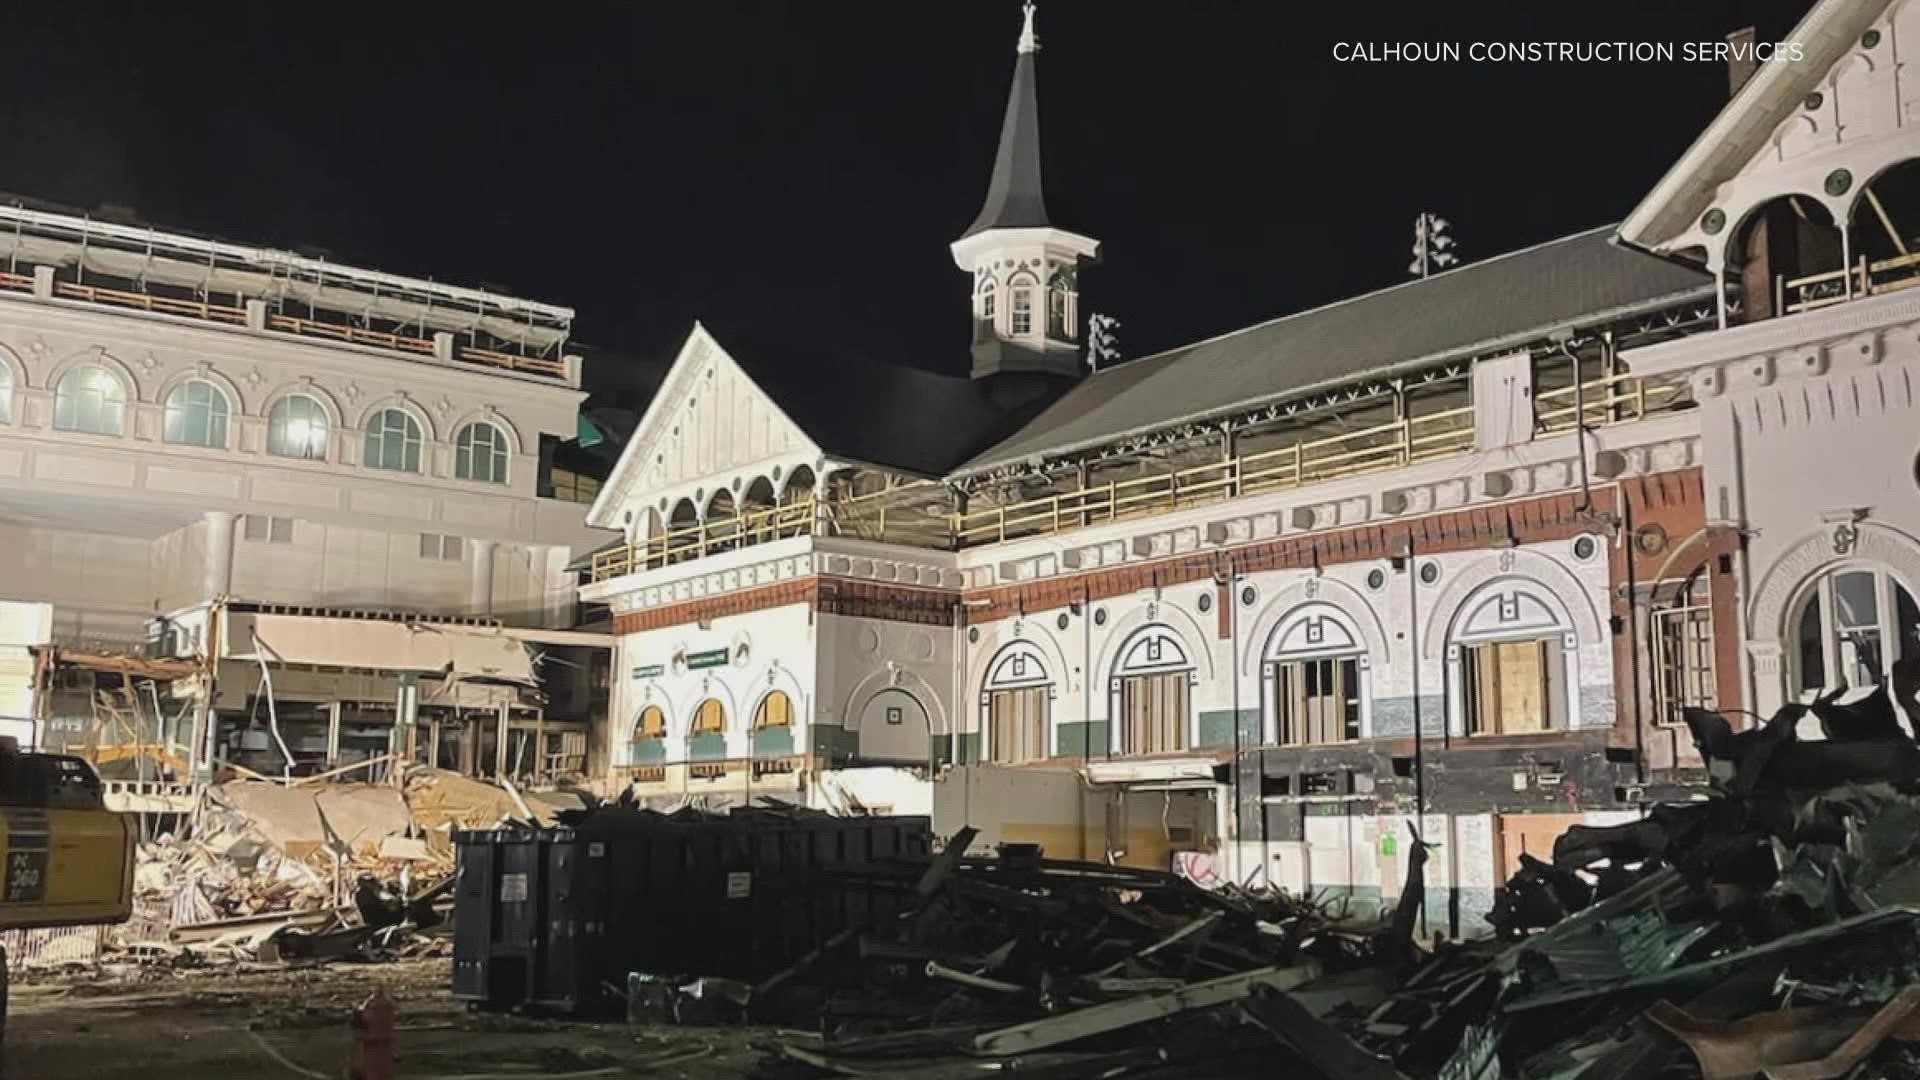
[1022,310]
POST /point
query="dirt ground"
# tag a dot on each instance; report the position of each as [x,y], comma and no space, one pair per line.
[291,1022]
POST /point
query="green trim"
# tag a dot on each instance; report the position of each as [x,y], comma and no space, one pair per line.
[1217,727]
[1080,739]
[835,744]
[647,751]
[775,741]
[711,746]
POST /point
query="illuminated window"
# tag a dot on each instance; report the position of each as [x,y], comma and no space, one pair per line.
[297,428]
[651,725]
[393,441]
[1022,310]
[89,399]
[196,415]
[480,453]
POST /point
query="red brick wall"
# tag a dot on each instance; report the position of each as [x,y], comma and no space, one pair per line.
[1674,504]
[1556,517]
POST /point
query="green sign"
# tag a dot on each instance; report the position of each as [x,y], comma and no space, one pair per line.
[649,671]
[710,658]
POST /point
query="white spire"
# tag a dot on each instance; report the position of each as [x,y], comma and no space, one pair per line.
[1029,41]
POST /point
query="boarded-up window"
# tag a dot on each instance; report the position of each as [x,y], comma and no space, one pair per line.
[652,724]
[1317,701]
[1017,725]
[776,710]
[1153,713]
[710,718]
[1507,687]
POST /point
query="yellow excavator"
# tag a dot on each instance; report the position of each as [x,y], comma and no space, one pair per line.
[67,860]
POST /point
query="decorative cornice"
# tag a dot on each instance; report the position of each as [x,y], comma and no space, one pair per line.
[1812,330]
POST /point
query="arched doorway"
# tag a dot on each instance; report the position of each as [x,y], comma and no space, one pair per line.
[756,509]
[1885,235]
[682,538]
[1151,693]
[1511,661]
[797,502]
[723,523]
[1314,677]
[1851,624]
[1016,707]
[894,726]
[1788,256]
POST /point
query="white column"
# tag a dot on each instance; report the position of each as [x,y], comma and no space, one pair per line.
[480,596]
[219,567]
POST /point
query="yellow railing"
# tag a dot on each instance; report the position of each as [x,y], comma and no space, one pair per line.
[165,305]
[1605,400]
[345,332]
[1388,445]
[706,537]
[1866,278]
[1612,399]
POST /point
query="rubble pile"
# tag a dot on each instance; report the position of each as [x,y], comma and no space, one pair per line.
[1769,927]
[270,871]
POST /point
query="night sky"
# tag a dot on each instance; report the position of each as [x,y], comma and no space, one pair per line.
[796,170]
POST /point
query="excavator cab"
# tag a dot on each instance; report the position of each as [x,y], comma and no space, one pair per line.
[65,859]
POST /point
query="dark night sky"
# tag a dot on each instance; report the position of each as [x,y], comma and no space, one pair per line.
[796,170]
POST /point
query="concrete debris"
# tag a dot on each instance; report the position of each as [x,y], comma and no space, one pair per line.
[264,871]
[1768,927]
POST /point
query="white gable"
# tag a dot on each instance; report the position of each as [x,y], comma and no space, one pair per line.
[1844,105]
[710,428]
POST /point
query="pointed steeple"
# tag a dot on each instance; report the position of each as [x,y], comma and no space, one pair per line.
[1014,196]
[1025,272]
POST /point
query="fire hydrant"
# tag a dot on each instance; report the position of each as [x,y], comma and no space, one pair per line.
[371,1056]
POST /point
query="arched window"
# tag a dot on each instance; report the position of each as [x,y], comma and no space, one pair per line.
[651,725]
[196,415]
[1314,675]
[710,718]
[297,428]
[776,710]
[480,453]
[1152,695]
[393,441]
[1018,707]
[90,399]
[1854,623]
[1022,310]
[6,394]
[1512,657]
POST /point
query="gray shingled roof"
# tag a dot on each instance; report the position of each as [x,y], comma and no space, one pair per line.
[1506,300]
[889,415]
[1015,199]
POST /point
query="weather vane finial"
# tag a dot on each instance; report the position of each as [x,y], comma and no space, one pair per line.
[1029,41]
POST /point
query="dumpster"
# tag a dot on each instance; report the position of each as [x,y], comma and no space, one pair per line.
[555,919]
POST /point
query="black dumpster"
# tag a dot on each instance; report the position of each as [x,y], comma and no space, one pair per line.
[556,918]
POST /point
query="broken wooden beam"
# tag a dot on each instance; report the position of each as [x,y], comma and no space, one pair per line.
[1115,1015]
[1331,1053]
